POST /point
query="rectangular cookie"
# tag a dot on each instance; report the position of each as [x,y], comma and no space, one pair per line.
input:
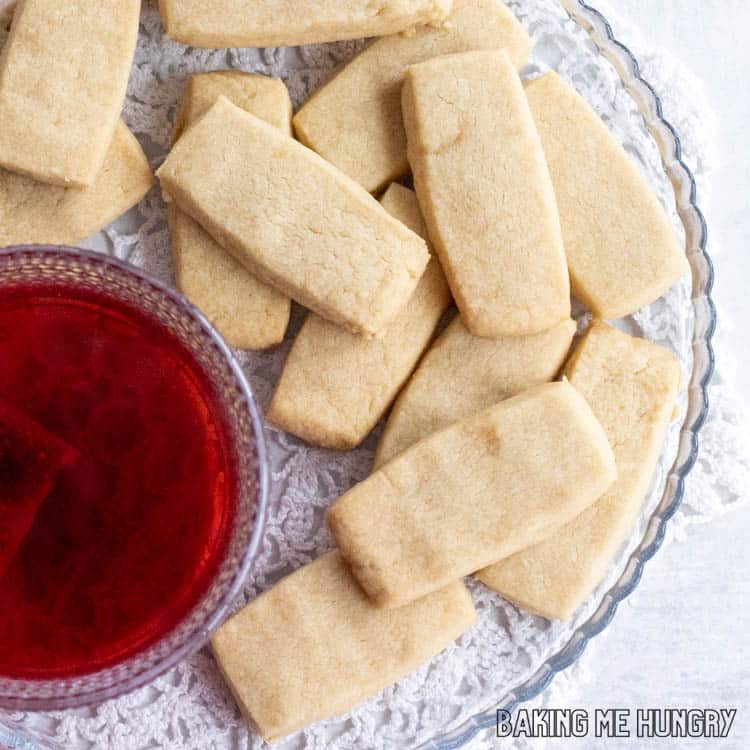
[632,386]
[622,251]
[271,23]
[293,220]
[485,193]
[63,74]
[314,646]
[462,374]
[336,385]
[32,212]
[473,493]
[247,313]
[265,97]
[354,121]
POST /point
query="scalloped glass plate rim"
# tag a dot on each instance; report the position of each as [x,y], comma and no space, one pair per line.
[670,147]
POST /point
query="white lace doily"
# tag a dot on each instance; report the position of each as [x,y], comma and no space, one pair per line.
[190,707]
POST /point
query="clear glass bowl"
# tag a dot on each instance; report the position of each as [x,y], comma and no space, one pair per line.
[696,235]
[113,278]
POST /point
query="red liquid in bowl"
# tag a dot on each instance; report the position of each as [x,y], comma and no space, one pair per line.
[119,538]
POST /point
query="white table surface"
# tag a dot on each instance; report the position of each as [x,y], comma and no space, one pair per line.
[683,638]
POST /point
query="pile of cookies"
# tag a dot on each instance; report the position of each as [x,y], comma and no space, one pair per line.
[487,464]
[68,165]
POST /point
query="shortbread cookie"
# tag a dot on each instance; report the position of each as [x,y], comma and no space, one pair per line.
[355,121]
[462,374]
[314,646]
[473,493]
[262,96]
[632,386]
[248,313]
[622,251]
[63,74]
[279,23]
[485,193]
[294,220]
[336,385]
[34,213]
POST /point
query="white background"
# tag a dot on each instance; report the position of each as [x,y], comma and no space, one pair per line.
[683,638]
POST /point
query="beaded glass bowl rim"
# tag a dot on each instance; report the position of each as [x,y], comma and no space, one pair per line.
[683,181]
[120,278]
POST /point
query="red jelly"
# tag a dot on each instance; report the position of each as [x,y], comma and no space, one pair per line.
[115,541]
[30,461]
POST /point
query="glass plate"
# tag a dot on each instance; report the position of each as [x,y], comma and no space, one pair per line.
[510,656]
[668,141]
